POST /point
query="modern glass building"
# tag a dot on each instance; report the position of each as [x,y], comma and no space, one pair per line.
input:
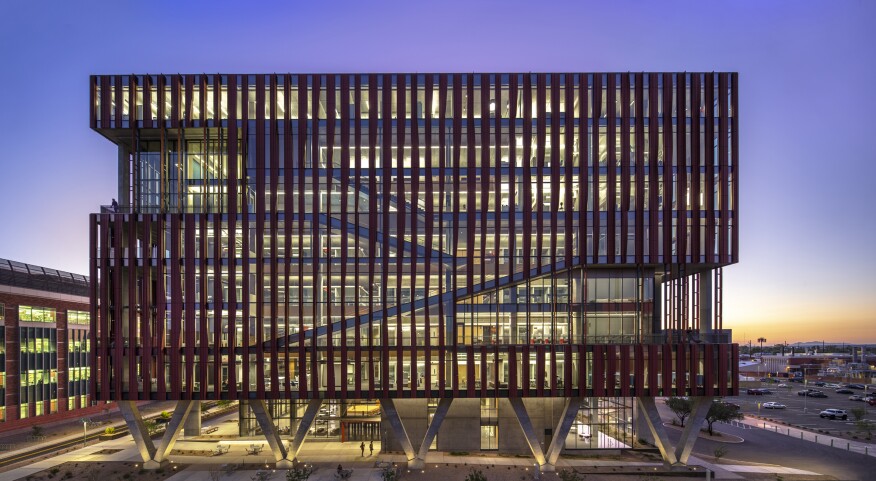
[509,242]
[44,346]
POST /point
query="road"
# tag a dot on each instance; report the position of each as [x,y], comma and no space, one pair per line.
[770,448]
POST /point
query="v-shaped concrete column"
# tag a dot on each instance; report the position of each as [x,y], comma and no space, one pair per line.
[699,411]
[570,411]
[655,424]
[528,430]
[431,432]
[304,427]
[260,410]
[154,456]
[398,429]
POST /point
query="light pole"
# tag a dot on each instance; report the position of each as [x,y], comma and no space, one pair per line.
[85,422]
[761,340]
[805,393]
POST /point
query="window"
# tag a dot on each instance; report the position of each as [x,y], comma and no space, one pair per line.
[36,314]
[78,317]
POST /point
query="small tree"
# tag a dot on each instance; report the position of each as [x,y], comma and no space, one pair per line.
[862,424]
[36,431]
[475,475]
[719,453]
[109,430]
[165,415]
[681,407]
[151,426]
[722,412]
[299,473]
[390,473]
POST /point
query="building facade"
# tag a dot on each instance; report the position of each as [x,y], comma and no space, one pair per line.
[44,345]
[422,237]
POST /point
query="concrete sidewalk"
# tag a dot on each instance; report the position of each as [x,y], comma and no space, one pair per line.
[327,455]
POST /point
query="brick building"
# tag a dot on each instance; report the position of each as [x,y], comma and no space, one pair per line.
[43,345]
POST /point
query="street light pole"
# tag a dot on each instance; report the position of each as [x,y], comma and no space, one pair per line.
[85,422]
[761,340]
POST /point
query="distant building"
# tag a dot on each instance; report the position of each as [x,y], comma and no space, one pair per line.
[43,345]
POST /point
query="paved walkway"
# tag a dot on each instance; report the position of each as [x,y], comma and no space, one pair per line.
[327,455]
[17,441]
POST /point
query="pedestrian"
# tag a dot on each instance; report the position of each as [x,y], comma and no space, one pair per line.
[340,469]
[362,447]
[371,448]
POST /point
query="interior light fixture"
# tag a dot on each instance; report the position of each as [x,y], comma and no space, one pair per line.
[492,105]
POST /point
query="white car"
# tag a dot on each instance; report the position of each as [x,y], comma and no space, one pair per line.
[834,414]
[773,405]
[782,385]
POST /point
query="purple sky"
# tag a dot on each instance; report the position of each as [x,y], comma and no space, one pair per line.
[807,69]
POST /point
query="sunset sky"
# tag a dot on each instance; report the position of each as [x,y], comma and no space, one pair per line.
[806,70]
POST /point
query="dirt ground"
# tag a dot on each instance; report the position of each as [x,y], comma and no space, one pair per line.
[104,471]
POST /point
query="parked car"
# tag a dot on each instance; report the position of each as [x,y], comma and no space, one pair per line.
[834,414]
[818,394]
[856,398]
[872,401]
[796,379]
[781,384]
[758,391]
[805,392]
[855,386]
[774,405]
[819,383]
[844,391]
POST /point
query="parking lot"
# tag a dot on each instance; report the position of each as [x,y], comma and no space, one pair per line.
[803,411]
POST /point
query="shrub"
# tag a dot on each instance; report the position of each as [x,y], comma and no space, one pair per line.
[109,431]
[475,475]
[299,473]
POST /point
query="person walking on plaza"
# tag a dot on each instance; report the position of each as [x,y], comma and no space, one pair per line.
[371,448]
[362,447]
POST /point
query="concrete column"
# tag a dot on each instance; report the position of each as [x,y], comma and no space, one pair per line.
[398,429]
[440,413]
[193,422]
[705,302]
[648,409]
[570,411]
[303,427]
[699,410]
[154,456]
[145,446]
[260,410]
[528,430]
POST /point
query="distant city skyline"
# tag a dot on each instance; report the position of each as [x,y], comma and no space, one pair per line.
[806,163]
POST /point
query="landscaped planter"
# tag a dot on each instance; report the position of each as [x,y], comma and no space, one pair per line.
[110,437]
